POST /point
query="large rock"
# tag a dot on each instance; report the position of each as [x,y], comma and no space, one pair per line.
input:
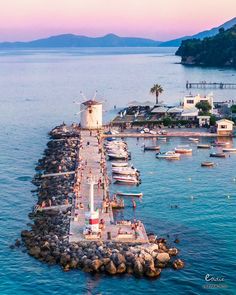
[178,264]
[110,268]
[163,257]
[96,264]
[35,251]
[152,272]
[138,268]
[118,258]
[173,251]
[121,268]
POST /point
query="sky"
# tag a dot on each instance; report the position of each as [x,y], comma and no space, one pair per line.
[22,20]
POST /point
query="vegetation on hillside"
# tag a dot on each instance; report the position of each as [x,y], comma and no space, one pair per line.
[219,50]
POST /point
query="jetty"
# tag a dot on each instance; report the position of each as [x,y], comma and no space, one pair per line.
[213,85]
[92,171]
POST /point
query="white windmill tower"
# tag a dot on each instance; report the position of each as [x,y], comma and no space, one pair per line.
[90,113]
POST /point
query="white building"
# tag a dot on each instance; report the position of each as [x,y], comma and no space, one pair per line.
[91,114]
[224,127]
[190,101]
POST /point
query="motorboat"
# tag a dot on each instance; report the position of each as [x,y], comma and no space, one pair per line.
[203,146]
[207,164]
[170,155]
[151,148]
[119,164]
[218,155]
[118,156]
[229,150]
[183,150]
[138,195]
[126,179]
[220,143]
[124,171]
[194,139]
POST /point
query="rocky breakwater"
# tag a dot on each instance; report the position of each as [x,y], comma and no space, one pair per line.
[47,238]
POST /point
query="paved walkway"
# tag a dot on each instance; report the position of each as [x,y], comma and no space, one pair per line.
[89,159]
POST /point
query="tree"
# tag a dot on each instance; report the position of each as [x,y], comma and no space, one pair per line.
[167,121]
[203,106]
[212,120]
[157,90]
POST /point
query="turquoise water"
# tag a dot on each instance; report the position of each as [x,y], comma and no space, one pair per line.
[37,92]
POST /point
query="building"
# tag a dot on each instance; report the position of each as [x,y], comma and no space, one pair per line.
[203,120]
[91,114]
[190,101]
[224,127]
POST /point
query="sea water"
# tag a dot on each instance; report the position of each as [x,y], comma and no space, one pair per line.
[38,89]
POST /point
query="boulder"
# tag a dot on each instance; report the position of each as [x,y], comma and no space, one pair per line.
[118,258]
[138,268]
[121,268]
[178,264]
[110,268]
[35,251]
[173,251]
[152,272]
[163,257]
[96,264]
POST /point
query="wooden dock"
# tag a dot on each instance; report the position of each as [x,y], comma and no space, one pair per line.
[212,85]
[90,163]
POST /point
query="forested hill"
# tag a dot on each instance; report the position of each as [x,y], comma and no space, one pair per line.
[219,50]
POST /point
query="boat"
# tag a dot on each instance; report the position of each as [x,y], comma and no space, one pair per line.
[220,143]
[207,164]
[203,146]
[126,179]
[170,155]
[193,139]
[151,148]
[183,150]
[162,138]
[229,150]
[113,156]
[119,164]
[138,195]
[218,155]
[124,171]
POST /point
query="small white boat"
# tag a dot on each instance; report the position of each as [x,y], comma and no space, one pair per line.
[126,179]
[119,164]
[229,150]
[153,132]
[203,146]
[138,195]
[171,155]
[193,139]
[117,156]
[124,171]
[220,143]
[183,150]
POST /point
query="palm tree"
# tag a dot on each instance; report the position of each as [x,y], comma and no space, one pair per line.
[157,90]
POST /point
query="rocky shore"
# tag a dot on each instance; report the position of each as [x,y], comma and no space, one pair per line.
[48,236]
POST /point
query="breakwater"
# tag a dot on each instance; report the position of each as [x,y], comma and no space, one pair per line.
[49,236]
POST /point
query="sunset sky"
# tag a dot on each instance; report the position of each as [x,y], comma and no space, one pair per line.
[157,19]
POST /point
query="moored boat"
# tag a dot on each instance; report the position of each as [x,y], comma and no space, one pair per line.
[218,155]
[193,139]
[162,138]
[183,150]
[207,164]
[203,146]
[170,155]
[151,148]
[138,195]
[126,179]
[119,164]
[220,143]
[229,150]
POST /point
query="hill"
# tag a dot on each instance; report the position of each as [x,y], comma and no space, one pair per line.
[70,40]
[201,35]
[219,50]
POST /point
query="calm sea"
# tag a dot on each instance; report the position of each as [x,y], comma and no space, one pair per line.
[37,92]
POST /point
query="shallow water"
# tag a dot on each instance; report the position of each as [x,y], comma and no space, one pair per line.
[37,93]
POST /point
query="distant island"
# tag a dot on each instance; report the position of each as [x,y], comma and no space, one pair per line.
[109,40]
[218,51]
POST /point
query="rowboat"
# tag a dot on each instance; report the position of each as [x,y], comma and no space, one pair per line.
[207,164]
[228,150]
[151,148]
[218,155]
[203,146]
[119,164]
[183,150]
[138,195]
[168,155]
[193,139]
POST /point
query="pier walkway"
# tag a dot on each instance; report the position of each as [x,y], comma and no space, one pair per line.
[214,85]
[90,155]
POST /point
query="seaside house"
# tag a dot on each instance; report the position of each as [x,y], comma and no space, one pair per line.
[203,120]
[190,101]
[224,127]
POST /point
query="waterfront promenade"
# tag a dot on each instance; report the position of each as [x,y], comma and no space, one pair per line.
[92,164]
